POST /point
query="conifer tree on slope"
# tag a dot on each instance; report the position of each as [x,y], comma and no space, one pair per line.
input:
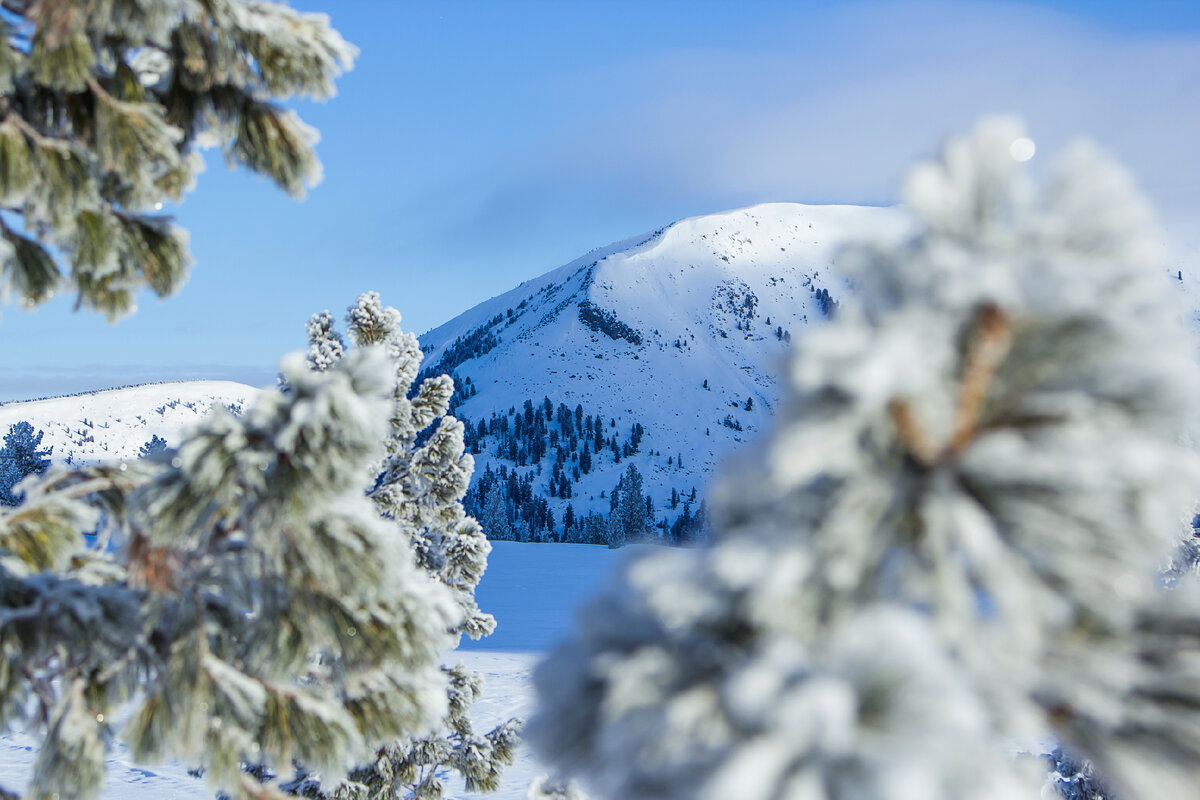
[628,521]
[420,487]
[19,457]
[951,540]
[104,108]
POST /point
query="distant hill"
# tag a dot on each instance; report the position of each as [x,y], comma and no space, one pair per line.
[114,424]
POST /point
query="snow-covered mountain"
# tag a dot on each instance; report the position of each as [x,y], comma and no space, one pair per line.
[682,331]
[114,424]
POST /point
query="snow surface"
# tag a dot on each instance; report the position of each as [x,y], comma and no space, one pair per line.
[532,589]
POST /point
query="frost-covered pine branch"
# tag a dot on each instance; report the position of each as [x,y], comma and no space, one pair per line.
[950,540]
[104,110]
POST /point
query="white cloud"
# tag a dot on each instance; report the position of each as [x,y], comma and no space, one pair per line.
[837,113]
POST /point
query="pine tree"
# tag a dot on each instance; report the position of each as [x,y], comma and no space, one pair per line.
[628,517]
[569,532]
[595,530]
[244,601]
[255,608]
[951,541]
[104,108]
[420,487]
[494,519]
[19,458]
[682,524]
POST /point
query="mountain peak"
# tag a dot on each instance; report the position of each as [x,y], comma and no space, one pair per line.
[681,331]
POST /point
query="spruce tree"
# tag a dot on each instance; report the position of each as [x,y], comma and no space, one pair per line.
[949,543]
[21,456]
[104,110]
[419,488]
[495,514]
[628,517]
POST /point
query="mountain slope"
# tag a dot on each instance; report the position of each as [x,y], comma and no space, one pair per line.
[683,331]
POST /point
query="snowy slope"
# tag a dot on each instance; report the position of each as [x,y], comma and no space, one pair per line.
[697,296]
[113,424]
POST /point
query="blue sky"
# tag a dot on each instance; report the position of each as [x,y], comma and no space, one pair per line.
[477,144]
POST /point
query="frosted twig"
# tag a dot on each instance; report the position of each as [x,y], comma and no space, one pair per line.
[990,342]
[910,433]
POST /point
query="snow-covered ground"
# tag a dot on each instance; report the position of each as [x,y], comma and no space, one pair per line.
[532,589]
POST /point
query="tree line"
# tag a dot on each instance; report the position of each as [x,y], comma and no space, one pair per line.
[549,449]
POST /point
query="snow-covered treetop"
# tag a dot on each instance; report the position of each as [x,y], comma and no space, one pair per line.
[954,434]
